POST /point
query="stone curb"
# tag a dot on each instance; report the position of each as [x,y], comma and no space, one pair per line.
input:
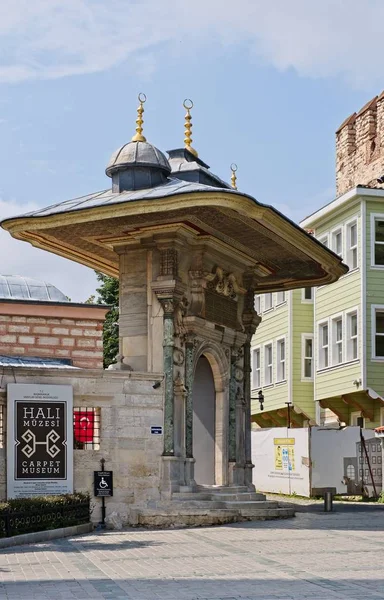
[45,536]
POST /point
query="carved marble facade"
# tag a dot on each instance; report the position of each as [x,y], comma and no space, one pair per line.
[197,302]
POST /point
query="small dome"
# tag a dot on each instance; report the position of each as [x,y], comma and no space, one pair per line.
[14,287]
[137,154]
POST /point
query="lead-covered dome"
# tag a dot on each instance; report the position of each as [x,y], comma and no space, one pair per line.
[14,287]
[137,154]
[137,165]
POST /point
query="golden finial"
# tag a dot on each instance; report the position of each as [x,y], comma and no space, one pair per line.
[234,177]
[138,137]
[188,104]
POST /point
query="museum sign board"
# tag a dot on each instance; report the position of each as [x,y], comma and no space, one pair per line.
[39,440]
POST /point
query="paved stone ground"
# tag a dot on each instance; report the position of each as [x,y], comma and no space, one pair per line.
[315,556]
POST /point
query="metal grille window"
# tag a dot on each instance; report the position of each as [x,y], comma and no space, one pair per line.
[86,428]
[352,245]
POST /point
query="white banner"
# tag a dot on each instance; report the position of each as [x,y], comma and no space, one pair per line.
[281,459]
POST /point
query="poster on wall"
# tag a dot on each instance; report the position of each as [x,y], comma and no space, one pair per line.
[39,440]
[281,459]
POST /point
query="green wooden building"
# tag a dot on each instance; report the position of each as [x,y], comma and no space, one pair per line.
[322,349]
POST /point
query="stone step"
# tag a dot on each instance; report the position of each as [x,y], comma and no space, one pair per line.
[180,516]
[222,489]
[191,496]
[186,518]
[245,496]
[251,505]
[252,514]
[183,505]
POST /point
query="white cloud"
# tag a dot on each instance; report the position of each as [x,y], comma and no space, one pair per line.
[20,258]
[55,38]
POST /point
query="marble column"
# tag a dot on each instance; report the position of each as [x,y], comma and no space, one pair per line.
[168,344]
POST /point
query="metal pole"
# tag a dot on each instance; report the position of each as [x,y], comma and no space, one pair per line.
[289,414]
[328,502]
[103,511]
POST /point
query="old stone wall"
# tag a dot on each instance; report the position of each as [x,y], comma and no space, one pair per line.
[129,406]
[360,147]
[79,340]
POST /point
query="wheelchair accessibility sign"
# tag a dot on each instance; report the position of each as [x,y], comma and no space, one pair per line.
[103,483]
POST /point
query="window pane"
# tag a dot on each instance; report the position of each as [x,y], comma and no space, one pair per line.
[339,330]
[379,345]
[379,230]
[282,350]
[354,325]
[267,301]
[324,331]
[380,322]
[308,367]
[308,348]
[353,235]
[379,254]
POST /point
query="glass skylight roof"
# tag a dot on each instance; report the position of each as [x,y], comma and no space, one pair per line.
[14,287]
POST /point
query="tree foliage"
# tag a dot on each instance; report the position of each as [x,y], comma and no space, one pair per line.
[108,293]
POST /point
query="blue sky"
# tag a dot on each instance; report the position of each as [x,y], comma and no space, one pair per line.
[270,85]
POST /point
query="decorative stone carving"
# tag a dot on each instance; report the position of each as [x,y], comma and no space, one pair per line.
[239,374]
[178,357]
[224,284]
[180,313]
[178,384]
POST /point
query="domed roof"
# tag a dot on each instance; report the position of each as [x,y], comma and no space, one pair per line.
[137,154]
[14,287]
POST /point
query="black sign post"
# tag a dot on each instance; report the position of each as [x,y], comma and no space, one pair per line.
[103,487]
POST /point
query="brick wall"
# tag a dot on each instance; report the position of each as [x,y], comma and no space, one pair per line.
[77,339]
[360,147]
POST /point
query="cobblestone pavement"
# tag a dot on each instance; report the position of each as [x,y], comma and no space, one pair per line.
[314,556]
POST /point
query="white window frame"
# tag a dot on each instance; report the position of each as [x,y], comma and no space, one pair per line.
[257,304]
[324,238]
[268,366]
[281,301]
[374,217]
[256,372]
[334,232]
[265,303]
[281,364]
[304,338]
[332,337]
[320,347]
[374,309]
[305,300]
[348,334]
[351,250]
